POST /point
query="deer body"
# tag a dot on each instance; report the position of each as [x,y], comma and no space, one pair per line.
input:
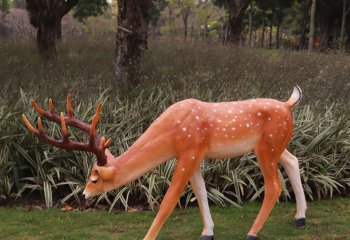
[191,131]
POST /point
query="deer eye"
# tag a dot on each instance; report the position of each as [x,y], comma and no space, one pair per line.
[94,181]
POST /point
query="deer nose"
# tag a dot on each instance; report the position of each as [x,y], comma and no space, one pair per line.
[85,195]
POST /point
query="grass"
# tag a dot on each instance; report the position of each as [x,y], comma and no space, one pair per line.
[327,219]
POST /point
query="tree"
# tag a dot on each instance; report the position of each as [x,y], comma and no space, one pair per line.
[5,7]
[312,26]
[304,6]
[184,7]
[87,8]
[46,17]
[236,9]
[132,34]
[345,12]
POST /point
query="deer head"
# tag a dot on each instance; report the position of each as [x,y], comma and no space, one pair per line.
[101,179]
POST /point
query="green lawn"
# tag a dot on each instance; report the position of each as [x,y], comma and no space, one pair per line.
[328,219]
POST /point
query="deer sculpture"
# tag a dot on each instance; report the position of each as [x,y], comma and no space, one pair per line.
[191,130]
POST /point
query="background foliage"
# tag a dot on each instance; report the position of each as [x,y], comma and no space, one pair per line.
[171,71]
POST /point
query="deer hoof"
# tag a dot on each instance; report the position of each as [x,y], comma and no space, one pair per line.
[299,223]
[204,237]
[250,237]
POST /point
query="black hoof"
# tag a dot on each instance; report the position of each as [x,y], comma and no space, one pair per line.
[250,237]
[299,223]
[204,237]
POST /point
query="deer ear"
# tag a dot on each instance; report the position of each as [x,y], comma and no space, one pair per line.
[106,173]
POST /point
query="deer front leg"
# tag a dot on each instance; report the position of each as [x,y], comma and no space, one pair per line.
[198,186]
[268,162]
[291,165]
[187,163]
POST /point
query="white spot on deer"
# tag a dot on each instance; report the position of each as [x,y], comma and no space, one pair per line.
[189,135]
[211,124]
[272,149]
[241,111]
[184,129]
[229,111]
[233,129]
[224,129]
[197,117]
[247,125]
[183,169]
[285,123]
[278,106]
[219,120]
[233,120]
[193,157]
[178,121]
[259,113]
[270,135]
[269,119]
[198,128]
[226,136]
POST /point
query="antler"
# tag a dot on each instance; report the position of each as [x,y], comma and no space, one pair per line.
[95,144]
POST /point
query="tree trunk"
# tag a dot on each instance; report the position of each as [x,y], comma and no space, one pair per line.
[185,21]
[236,10]
[250,24]
[312,26]
[45,37]
[270,37]
[279,16]
[46,17]
[58,28]
[302,40]
[263,31]
[278,35]
[133,20]
[343,26]
[225,39]
[325,32]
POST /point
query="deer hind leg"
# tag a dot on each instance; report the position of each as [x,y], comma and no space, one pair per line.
[291,165]
[186,165]
[198,186]
[268,160]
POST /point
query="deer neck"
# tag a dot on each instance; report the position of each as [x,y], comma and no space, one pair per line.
[144,155]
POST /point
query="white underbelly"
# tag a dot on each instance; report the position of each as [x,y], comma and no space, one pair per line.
[231,149]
